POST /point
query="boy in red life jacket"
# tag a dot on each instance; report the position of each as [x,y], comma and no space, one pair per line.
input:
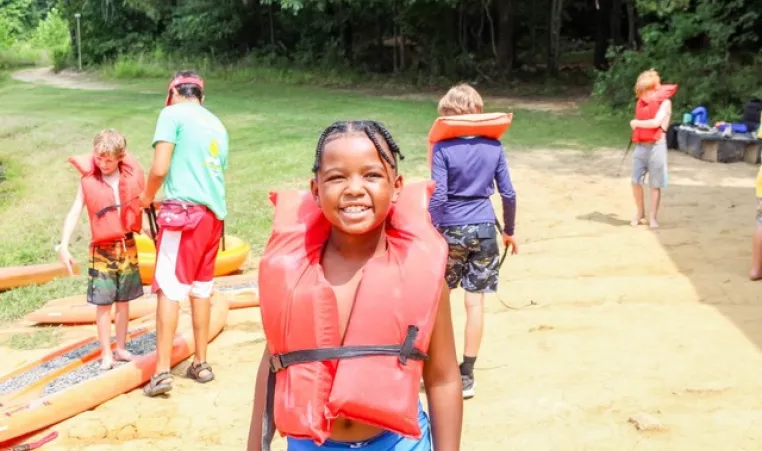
[111,183]
[354,245]
[652,115]
[465,170]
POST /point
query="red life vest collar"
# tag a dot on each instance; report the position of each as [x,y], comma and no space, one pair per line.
[182,81]
[646,108]
[660,93]
[105,223]
[312,379]
[488,125]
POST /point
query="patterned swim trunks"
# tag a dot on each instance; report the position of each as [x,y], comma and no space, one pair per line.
[474,257]
[113,273]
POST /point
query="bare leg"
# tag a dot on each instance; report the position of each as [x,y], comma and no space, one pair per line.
[640,213]
[103,322]
[166,326]
[756,254]
[122,322]
[655,201]
[474,323]
[200,309]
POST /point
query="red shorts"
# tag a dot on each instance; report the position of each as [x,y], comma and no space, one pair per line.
[185,260]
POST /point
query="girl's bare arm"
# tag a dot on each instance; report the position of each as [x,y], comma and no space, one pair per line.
[441,377]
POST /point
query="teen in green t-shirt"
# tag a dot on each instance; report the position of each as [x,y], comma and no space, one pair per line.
[190,157]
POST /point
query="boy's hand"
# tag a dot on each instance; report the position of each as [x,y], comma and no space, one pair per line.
[632,123]
[66,259]
[145,201]
[508,241]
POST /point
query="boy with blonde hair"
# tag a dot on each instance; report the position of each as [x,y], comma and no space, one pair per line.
[653,110]
[464,170]
[110,185]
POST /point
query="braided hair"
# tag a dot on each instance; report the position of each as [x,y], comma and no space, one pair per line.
[372,130]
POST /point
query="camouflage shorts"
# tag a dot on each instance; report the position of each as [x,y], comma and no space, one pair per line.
[113,273]
[474,257]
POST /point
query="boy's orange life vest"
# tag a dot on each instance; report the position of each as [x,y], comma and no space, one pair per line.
[105,223]
[646,108]
[488,125]
[372,375]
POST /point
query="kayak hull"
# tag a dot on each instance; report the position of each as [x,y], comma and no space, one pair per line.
[238,291]
[19,276]
[19,418]
[228,261]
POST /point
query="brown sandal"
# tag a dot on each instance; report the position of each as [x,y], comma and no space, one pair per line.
[160,383]
[194,371]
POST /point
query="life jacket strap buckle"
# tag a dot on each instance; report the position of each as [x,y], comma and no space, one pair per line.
[407,350]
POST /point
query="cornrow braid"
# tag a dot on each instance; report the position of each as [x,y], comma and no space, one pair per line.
[371,130]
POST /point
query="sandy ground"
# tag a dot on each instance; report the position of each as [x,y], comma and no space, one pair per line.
[625,322]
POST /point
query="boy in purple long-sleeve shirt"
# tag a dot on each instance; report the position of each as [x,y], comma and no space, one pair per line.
[465,170]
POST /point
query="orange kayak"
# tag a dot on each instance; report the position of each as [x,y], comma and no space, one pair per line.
[239,291]
[228,261]
[76,310]
[68,381]
[19,276]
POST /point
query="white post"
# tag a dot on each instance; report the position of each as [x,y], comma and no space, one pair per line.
[79,42]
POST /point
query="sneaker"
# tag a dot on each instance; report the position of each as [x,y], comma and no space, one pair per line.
[469,386]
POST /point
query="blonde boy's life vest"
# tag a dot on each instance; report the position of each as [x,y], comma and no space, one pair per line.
[109,220]
[487,125]
[646,108]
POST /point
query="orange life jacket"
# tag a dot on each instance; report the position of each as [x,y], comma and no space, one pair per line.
[373,374]
[646,108]
[488,125]
[105,223]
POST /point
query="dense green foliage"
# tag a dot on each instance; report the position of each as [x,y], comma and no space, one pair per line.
[31,31]
[709,48]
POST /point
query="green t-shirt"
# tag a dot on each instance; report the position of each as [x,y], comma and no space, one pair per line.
[200,156]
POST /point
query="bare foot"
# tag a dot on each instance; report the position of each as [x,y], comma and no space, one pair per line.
[107,362]
[653,224]
[755,275]
[637,220]
[123,355]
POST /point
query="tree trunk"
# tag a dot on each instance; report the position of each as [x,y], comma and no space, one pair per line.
[602,34]
[506,11]
[554,36]
[272,26]
[616,22]
[347,38]
[631,28]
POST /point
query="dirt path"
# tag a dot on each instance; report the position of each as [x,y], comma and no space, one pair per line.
[68,79]
[626,322]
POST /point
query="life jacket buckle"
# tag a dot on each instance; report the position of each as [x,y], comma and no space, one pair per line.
[407,350]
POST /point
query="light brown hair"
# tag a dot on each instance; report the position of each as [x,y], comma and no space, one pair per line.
[110,142]
[647,81]
[460,99]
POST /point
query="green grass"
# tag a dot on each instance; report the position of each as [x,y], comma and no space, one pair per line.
[273,131]
[40,339]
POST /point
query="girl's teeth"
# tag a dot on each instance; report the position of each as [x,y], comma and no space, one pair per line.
[355,209]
